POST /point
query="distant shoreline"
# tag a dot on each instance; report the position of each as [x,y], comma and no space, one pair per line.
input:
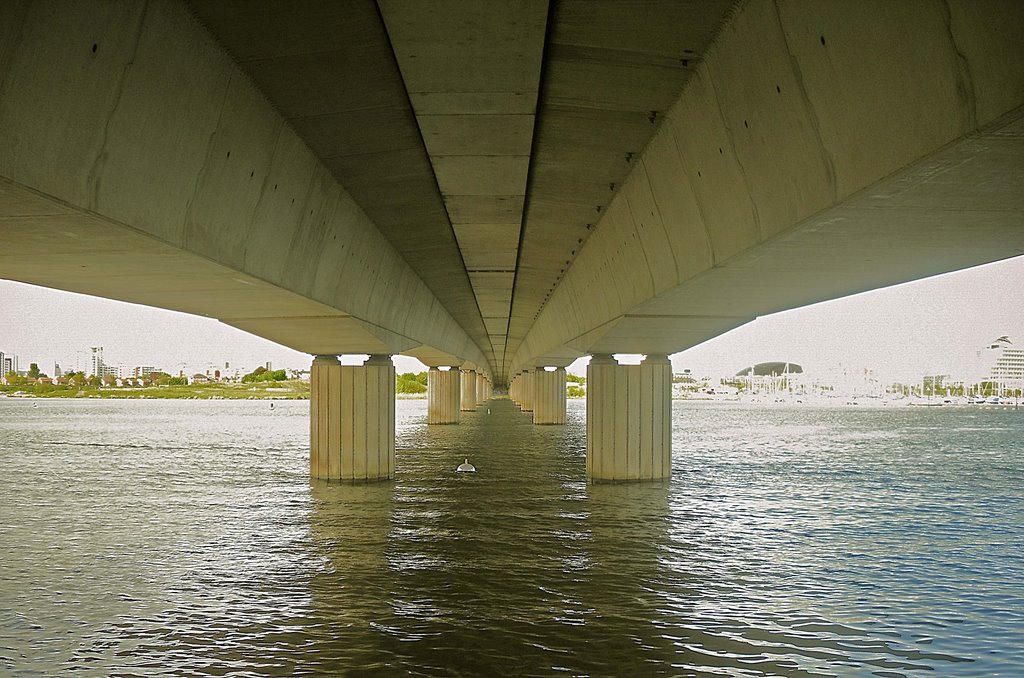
[287,390]
[177,393]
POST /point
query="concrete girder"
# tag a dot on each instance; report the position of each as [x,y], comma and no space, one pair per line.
[850,155]
[468,96]
[183,161]
[432,357]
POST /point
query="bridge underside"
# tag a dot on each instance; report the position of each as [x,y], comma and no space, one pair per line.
[500,186]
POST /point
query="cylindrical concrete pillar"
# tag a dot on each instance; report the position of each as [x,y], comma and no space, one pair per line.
[655,417]
[443,396]
[325,429]
[601,373]
[549,390]
[629,419]
[468,391]
[526,391]
[481,388]
[352,419]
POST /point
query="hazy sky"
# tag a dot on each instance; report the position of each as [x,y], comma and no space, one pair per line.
[903,332]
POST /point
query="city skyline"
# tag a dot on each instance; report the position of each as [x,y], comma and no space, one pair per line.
[930,326]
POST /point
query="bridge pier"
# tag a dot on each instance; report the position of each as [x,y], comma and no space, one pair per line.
[443,396]
[469,391]
[629,419]
[481,388]
[352,419]
[549,396]
[525,392]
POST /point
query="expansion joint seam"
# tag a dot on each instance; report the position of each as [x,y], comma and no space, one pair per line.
[643,250]
[281,127]
[201,174]
[964,77]
[812,113]
[661,218]
[697,200]
[96,170]
[732,150]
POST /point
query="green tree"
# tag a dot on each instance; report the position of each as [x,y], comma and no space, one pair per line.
[407,382]
[14,379]
[255,375]
[33,371]
[575,378]
[263,374]
[575,392]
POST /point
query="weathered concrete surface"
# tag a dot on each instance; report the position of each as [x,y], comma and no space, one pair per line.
[172,182]
[549,396]
[352,419]
[467,391]
[482,388]
[475,100]
[443,396]
[867,144]
[629,419]
[330,71]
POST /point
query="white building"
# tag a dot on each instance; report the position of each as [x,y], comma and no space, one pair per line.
[95,362]
[1000,363]
[135,372]
[8,363]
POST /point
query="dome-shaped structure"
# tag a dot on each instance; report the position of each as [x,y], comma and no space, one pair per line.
[770,369]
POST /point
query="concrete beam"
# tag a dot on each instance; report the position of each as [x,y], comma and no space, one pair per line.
[850,154]
[183,161]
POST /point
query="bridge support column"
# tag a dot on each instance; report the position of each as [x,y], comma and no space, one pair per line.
[352,419]
[549,394]
[443,396]
[481,388]
[468,390]
[629,419]
[526,393]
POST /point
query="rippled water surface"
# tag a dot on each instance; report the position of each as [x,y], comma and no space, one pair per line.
[185,537]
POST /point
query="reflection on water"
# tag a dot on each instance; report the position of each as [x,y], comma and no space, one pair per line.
[186,536]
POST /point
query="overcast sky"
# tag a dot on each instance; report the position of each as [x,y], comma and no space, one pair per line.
[925,327]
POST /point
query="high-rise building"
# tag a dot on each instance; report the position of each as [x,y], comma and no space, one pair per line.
[95,362]
[8,363]
[1002,364]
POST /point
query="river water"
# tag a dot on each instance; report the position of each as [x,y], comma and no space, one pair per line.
[185,538]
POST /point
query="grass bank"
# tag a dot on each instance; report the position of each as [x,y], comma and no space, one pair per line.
[295,389]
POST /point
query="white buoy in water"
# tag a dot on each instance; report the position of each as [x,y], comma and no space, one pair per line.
[466,467]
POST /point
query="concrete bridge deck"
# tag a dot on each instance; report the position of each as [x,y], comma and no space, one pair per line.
[499,186]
